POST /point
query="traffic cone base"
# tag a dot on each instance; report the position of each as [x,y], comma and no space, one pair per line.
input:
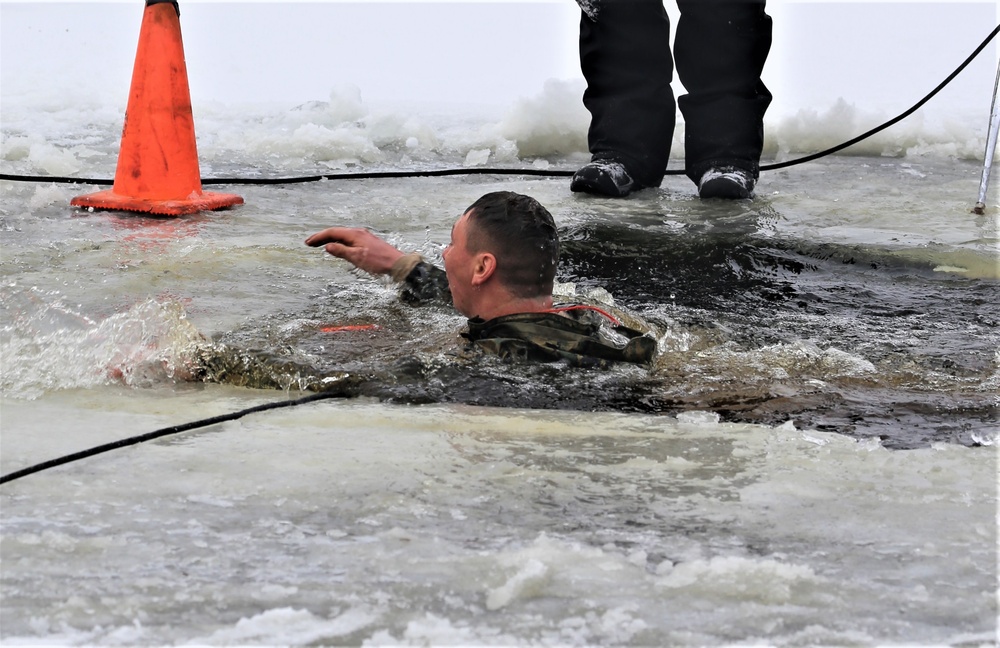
[158,160]
[204,201]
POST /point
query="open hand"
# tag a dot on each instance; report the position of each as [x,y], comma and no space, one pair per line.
[359,246]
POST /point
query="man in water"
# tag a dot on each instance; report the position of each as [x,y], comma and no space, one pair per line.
[500,268]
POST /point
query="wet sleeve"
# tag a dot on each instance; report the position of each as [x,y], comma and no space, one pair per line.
[422,282]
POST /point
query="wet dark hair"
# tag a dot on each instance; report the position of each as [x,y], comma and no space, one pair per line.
[522,236]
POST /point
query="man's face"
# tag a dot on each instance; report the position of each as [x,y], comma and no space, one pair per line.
[458,265]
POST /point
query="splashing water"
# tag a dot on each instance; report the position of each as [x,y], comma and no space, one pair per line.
[48,345]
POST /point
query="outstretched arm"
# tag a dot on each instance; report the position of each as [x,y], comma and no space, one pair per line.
[358,246]
[421,281]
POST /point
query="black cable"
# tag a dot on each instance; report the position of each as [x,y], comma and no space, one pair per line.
[529,172]
[809,158]
[313,178]
[176,429]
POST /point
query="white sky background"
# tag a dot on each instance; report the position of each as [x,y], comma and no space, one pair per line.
[881,57]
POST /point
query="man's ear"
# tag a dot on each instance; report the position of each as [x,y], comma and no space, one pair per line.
[484,266]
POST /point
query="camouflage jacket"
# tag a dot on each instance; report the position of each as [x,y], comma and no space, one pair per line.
[580,334]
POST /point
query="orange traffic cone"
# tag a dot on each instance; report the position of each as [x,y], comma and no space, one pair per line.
[158,161]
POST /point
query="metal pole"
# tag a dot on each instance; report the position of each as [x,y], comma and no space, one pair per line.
[991,147]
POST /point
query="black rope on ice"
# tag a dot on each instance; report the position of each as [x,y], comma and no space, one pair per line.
[176,429]
[369,175]
[521,172]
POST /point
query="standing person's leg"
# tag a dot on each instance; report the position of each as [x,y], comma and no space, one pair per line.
[720,50]
[625,58]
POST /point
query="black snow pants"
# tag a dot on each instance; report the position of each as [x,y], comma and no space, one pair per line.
[720,50]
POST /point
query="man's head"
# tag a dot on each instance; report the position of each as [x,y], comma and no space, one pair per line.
[504,243]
